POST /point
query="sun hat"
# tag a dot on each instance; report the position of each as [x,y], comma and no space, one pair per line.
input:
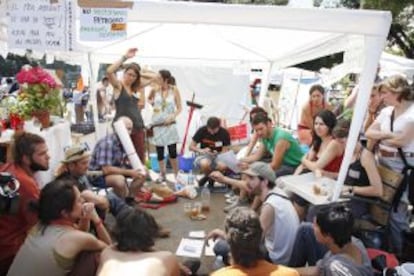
[75,153]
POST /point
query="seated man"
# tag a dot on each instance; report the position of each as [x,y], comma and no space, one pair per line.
[285,150]
[213,139]
[244,235]
[278,217]
[110,157]
[332,229]
[30,155]
[75,165]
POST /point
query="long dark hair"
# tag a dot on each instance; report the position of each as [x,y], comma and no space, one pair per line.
[137,70]
[57,196]
[329,119]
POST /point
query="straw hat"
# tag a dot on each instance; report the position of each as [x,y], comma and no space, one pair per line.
[75,153]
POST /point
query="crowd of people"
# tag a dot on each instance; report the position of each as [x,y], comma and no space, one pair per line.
[60,229]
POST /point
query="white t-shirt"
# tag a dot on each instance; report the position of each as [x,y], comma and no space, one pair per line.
[400,123]
[281,236]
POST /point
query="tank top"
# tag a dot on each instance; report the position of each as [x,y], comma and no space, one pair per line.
[127,105]
[357,175]
[37,257]
[335,164]
[280,237]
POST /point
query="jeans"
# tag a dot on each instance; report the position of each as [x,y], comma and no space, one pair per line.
[116,204]
[306,249]
[398,224]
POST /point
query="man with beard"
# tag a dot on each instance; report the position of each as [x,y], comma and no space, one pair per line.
[30,154]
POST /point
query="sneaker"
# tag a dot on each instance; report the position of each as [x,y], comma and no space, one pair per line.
[229,194]
[231,200]
[237,203]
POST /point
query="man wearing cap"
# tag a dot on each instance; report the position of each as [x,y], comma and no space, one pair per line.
[110,157]
[285,149]
[75,165]
[278,217]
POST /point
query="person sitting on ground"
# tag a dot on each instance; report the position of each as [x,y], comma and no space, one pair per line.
[278,217]
[253,139]
[315,104]
[110,157]
[133,252]
[75,165]
[285,150]
[325,153]
[213,139]
[332,229]
[61,234]
[243,232]
[30,155]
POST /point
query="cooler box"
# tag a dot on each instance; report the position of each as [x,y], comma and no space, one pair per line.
[185,163]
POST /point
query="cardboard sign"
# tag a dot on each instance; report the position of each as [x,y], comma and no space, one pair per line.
[103,24]
[40,25]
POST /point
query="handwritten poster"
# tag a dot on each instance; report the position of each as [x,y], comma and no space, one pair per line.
[103,24]
[40,25]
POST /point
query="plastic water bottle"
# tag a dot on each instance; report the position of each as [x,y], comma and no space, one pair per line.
[218,262]
[205,199]
[190,179]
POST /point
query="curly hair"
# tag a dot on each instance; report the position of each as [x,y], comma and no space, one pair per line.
[135,230]
[244,234]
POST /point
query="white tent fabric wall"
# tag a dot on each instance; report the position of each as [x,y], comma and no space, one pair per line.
[255,32]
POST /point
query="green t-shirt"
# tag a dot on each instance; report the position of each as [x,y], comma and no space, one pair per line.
[293,155]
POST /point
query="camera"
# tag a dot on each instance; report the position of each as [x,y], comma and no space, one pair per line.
[9,195]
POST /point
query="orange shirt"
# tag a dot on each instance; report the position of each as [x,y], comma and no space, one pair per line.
[14,228]
[263,268]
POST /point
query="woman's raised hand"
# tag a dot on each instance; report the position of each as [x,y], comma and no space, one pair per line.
[131,52]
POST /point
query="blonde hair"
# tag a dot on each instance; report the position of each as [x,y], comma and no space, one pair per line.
[398,85]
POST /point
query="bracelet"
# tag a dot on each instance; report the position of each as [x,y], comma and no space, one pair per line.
[98,223]
[124,58]
[351,190]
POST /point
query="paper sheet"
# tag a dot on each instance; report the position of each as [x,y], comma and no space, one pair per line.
[208,249]
[230,160]
[190,248]
[197,234]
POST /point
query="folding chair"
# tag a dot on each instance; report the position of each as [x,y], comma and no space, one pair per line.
[372,228]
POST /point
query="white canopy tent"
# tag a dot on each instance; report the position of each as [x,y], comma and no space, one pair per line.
[242,36]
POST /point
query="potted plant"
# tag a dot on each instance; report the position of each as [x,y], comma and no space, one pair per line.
[40,94]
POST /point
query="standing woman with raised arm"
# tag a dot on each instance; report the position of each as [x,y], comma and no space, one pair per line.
[130,97]
[166,101]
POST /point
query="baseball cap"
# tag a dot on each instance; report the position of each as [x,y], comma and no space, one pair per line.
[75,153]
[261,169]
